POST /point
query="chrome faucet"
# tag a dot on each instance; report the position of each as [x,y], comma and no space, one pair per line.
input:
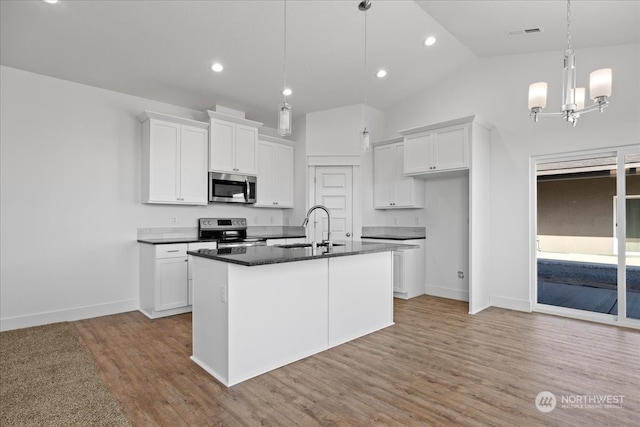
[327,242]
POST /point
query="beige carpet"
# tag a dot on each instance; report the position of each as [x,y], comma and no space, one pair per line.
[47,379]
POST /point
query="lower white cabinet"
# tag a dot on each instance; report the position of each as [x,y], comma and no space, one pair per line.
[165,278]
[408,268]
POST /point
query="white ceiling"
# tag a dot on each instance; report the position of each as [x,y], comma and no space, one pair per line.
[162,50]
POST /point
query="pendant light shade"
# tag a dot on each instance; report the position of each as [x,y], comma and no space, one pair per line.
[285,115]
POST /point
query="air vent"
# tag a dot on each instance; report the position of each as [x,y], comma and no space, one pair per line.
[525,31]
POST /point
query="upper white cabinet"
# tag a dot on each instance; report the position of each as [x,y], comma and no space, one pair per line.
[437,148]
[275,173]
[391,189]
[174,159]
[233,143]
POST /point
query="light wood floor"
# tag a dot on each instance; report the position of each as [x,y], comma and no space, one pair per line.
[437,365]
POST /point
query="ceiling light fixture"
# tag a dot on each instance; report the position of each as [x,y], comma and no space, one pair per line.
[217,67]
[285,113]
[365,142]
[51,1]
[381,74]
[429,41]
[572,97]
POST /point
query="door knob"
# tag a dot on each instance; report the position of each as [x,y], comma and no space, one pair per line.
[348,234]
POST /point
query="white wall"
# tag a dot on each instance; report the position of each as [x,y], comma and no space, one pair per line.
[496,90]
[70,199]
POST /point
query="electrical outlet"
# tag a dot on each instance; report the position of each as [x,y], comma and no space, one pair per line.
[223,293]
[460,275]
[417,220]
[174,220]
[395,220]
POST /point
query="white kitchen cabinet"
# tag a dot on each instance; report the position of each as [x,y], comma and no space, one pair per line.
[194,247]
[233,143]
[392,189]
[174,160]
[166,286]
[434,149]
[408,268]
[275,173]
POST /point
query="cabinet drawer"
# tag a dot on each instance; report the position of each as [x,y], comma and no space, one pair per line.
[171,251]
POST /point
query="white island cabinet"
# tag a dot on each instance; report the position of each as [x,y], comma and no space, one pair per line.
[248,320]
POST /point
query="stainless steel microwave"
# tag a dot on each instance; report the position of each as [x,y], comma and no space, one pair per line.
[232,188]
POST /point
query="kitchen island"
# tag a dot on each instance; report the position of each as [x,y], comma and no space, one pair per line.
[258,308]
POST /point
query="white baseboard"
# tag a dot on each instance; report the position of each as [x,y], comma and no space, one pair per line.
[438,291]
[512,303]
[68,315]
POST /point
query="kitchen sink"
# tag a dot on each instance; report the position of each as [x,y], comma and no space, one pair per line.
[305,245]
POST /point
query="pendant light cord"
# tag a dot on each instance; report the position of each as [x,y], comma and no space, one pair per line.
[284,71]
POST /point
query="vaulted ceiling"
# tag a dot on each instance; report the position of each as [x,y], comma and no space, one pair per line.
[163,50]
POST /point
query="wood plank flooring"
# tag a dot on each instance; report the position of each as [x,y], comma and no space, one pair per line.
[437,366]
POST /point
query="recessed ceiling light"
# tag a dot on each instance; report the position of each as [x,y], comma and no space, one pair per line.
[381,73]
[51,1]
[429,41]
[217,67]
[287,91]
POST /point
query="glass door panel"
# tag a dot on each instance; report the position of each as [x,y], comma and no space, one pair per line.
[632,240]
[576,256]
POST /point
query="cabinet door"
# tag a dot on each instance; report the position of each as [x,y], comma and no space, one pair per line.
[171,287]
[450,148]
[283,176]
[417,153]
[193,165]
[404,186]
[265,192]
[222,147]
[246,143]
[164,161]
[383,176]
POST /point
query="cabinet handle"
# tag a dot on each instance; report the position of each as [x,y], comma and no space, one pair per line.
[174,250]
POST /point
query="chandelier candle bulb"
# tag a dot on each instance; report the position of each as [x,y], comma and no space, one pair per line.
[600,83]
[538,95]
[579,97]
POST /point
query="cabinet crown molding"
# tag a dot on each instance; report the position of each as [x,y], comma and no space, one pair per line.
[448,123]
[276,140]
[233,119]
[146,115]
[387,141]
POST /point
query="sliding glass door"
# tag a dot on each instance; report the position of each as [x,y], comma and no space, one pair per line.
[587,210]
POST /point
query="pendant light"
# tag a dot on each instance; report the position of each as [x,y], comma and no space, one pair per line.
[285,112]
[365,142]
[572,96]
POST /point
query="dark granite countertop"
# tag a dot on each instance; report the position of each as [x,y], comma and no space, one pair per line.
[392,237]
[263,255]
[170,240]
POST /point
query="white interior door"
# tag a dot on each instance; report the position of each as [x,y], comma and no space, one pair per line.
[334,190]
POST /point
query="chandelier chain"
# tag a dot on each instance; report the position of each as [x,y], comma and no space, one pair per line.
[569,24]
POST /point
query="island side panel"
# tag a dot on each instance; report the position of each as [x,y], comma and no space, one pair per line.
[209,319]
[360,295]
[278,314]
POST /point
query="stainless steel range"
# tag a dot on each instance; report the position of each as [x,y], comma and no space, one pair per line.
[230,232]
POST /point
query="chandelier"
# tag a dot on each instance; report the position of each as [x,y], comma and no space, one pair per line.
[572,96]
